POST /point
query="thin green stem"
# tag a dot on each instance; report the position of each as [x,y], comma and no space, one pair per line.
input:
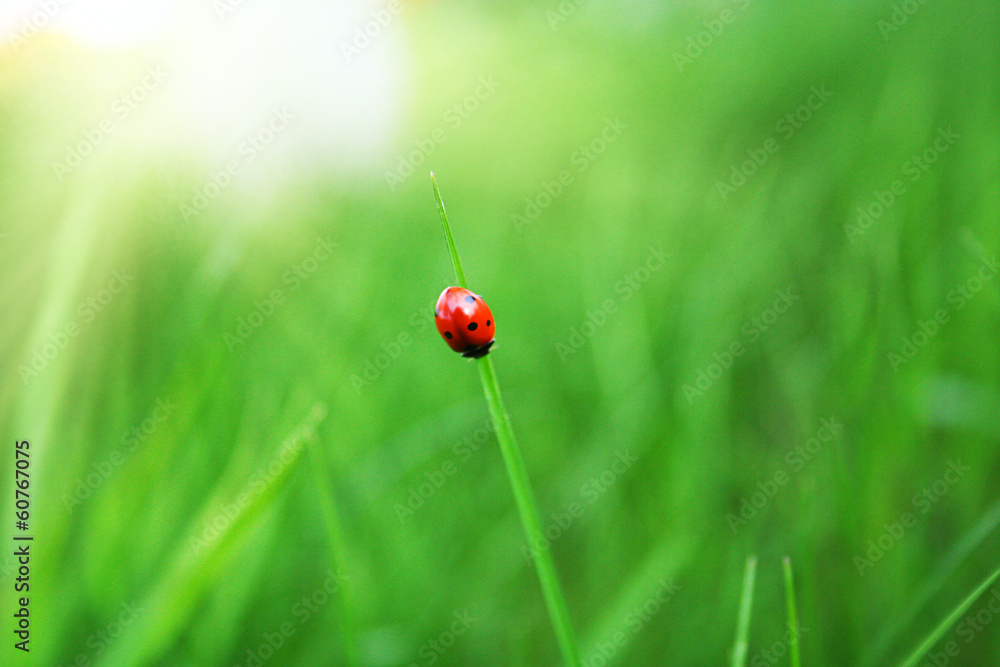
[793,619]
[517,472]
[746,606]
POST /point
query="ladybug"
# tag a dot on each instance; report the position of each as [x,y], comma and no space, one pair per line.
[465,322]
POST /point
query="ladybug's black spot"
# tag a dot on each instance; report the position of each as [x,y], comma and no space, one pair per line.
[487,323]
[436,313]
[447,334]
[473,326]
[470,299]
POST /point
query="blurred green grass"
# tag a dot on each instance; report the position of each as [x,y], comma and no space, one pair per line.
[665,517]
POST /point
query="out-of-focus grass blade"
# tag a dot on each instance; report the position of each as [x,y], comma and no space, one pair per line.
[169,606]
[335,535]
[793,618]
[972,539]
[662,564]
[949,620]
[746,606]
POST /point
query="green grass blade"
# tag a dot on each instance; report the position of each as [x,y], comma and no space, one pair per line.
[662,563]
[955,557]
[335,535]
[949,620]
[456,262]
[518,475]
[168,608]
[793,618]
[517,472]
[746,606]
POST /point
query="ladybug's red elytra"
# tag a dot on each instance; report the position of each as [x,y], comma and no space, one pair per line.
[465,322]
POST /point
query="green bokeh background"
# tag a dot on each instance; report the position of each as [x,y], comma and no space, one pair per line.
[621,387]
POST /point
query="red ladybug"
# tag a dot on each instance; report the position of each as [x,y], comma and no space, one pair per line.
[465,322]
